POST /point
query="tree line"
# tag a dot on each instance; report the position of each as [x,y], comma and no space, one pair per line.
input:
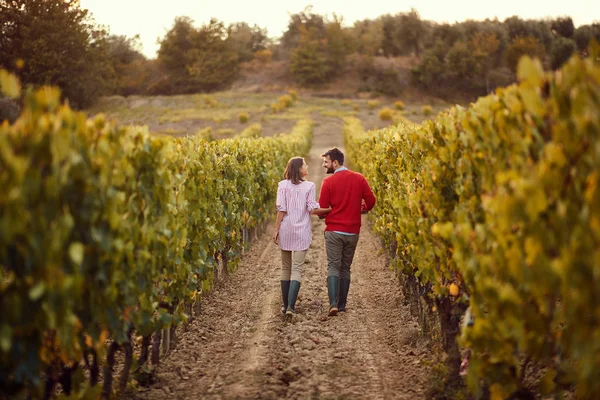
[57,42]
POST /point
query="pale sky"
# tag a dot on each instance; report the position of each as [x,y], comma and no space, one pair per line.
[151,19]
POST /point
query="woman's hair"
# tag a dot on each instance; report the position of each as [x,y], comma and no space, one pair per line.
[292,170]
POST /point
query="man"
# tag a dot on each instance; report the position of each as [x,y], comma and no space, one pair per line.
[349,195]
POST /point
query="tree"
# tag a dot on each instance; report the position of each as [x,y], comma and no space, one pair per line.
[390,33]
[133,71]
[411,31]
[214,62]
[430,71]
[368,36]
[56,44]
[299,25]
[248,40]
[519,28]
[124,50]
[563,26]
[309,62]
[174,50]
[198,60]
[562,49]
[585,34]
[445,34]
[485,45]
[338,44]
[461,67]
[521,46]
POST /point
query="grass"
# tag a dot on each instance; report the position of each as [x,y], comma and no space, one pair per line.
[189,114]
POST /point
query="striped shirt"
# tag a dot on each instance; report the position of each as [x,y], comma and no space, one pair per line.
[297,201]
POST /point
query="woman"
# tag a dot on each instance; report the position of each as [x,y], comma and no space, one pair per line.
[293,230]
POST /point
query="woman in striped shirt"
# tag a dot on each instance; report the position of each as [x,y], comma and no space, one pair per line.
[293,233]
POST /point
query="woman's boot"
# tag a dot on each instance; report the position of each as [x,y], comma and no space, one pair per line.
[293,295]
[285,290]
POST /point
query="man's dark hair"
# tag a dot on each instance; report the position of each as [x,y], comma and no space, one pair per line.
[334,154]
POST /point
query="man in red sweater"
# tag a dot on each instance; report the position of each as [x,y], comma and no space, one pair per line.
[349,195]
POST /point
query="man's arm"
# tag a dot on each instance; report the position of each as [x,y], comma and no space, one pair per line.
[368,196]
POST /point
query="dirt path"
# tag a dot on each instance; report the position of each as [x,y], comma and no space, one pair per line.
[239,346]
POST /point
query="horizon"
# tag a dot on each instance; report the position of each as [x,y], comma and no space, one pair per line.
[274,16]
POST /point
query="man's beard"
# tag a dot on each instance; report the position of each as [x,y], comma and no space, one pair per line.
[330,170]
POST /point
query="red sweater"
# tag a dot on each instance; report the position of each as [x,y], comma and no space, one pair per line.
[344,192]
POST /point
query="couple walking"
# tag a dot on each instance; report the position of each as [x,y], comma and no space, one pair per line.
[344,196]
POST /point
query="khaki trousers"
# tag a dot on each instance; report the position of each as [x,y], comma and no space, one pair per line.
[292,263]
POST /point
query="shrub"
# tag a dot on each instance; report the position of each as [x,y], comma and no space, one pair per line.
[211,102]
[386,114]
[293,94]
[399,105]
[373,104]
[225,132]
[286,100]
[427,110]
[243,117]
[346,102]
[253,131]
[206,134]
[277,107]
[263,56]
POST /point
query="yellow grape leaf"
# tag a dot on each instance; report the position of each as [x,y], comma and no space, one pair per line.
[532,248]
[547,385]
[37,291]
[595,224]
[532,101]
[497,393]
[531,71]
[554,154]
[103,336]
[9,85]
[536,203]
[76,251]
[591,185]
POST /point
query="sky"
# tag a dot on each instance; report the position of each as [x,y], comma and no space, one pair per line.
[151,19]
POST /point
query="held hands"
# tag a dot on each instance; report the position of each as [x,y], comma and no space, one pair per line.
[321,212]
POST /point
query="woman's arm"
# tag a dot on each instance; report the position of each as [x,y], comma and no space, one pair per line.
[314,207]
[280,215]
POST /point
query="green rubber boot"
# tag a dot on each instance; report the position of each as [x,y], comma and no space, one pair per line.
[344,288]
[333,289]
[293,295]
[285,290]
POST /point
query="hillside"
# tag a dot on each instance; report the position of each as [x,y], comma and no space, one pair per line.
[275,76]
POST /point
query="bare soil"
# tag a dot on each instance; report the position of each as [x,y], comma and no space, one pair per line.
[240,347]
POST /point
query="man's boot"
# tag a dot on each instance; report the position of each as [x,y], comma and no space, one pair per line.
[294,289]
[344,288]
[333,288]
[285,290]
